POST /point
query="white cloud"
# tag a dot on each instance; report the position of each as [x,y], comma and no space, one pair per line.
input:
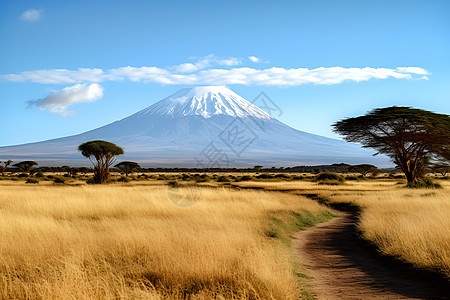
[205,62]
[58,76]
[253,59]
[59,100]
[200,72]
[31,15]
[414,70]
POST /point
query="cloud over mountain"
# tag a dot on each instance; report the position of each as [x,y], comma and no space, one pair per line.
[196,74]
[59,100]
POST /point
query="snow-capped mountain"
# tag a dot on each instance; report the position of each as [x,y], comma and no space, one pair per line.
[206,101]
[201,127]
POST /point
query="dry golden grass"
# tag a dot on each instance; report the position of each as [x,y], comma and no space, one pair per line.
[411,224]
[130,242]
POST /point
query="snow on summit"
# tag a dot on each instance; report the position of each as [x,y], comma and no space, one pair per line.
[205,101]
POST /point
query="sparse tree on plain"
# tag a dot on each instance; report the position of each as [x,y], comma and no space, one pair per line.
[364,169]
[6,164]
[441,164]
[127,166]
[26,166]
[102,154]
[409,136]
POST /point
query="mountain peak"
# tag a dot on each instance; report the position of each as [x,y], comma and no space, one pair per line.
[205,101]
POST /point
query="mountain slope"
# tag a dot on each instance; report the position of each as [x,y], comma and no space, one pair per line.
[201,126]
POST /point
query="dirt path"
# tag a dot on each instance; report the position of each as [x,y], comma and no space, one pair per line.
[343,267]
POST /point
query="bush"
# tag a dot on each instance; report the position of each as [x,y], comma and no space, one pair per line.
[66,175]
[23,175]
[124,179]
[246,178]
[162,177]
[351,178]
[90,180]
[426,183]
[58,180]
[242,178]
[298,177]
[223,179]
[173,184]
[265,176]
[329,176]
[32,180]
[39,174]
[202,179]
[283,176]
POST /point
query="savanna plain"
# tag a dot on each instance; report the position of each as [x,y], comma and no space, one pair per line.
[130,240]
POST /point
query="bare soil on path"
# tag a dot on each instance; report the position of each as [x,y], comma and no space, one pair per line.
[344,267]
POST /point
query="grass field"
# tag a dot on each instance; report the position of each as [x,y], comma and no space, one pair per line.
[129,241]
[126,241]
[410,224]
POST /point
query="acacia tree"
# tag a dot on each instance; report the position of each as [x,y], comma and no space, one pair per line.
[127,166]
[442,161]
[102,154]
[25,166]
[409,136]
[364,169]
[6,164]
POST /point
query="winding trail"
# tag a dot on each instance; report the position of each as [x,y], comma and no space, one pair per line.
[343,267]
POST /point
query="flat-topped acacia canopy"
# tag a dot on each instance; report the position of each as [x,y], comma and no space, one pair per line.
[104,153]
[410,137]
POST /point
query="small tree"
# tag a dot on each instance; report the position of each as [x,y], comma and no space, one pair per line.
[442,162]
[102,154]
[364,169]
[6,163]
[25,166]
[410,137]
[127,167]
[257,168]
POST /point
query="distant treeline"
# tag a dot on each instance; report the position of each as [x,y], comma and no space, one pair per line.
[339,168]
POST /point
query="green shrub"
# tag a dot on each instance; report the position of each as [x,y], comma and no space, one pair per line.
[162,177]
[351,178]
[202,179]
[66,175]
[39,174]
[32,180]
[173,184]
[90,180]
[185,177]
[58,180]
[223,179]
[283,176]
[124,179]
[265,176]
[23,175]
[329,176]
[425,183]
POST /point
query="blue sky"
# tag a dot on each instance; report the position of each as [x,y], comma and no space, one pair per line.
[63,64]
